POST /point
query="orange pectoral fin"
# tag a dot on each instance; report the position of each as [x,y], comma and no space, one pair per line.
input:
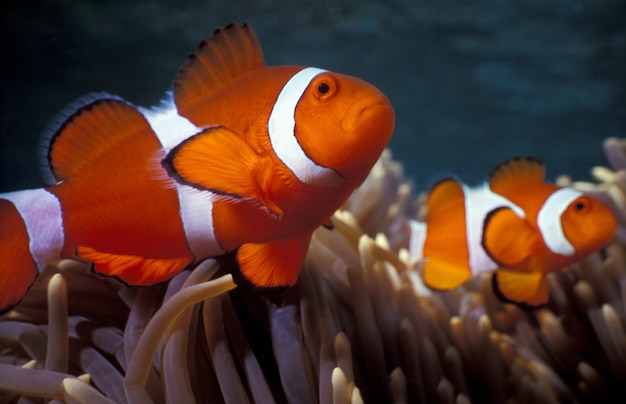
[220,161]
[529,290]
[18,270]
[507,238]
[441,275]
[272,264]
[134,270]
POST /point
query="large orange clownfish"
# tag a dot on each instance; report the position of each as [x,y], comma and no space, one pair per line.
[239,156]
[516,224]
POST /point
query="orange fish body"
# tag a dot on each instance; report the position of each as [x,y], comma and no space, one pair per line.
[239,157]
[516,225]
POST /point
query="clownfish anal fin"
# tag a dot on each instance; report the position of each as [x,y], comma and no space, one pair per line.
[442,275]
[507,238]
[134,270]
[444,193]
[515,171]
[86,133]
[223,56]
[528,290]
[220,161]
[273,264]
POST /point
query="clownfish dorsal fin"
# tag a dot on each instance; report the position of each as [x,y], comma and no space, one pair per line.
[223,56]
[220,161]
[84,132]
[519,170]
[442,194]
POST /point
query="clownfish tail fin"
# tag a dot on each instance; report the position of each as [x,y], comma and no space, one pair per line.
[18,269]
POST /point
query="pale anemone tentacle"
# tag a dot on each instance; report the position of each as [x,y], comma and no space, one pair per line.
[356,305]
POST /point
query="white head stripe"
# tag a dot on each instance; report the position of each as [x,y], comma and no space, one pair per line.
[549,221]
[281,127]
[41,212]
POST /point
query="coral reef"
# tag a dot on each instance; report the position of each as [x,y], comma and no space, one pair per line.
[358,326]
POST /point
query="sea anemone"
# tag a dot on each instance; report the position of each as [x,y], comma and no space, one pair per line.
[359,326]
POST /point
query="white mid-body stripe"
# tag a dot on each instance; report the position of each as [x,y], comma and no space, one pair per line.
[549,221]
[196,206]
[281,128]
[479,202]
[42,214]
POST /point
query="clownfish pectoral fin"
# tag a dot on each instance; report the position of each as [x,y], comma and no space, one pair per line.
[441,275]
[507,238]
[220,161]
[134,270]
[18,270]
[227,54]
[273,264]
[529,290]
[508,176]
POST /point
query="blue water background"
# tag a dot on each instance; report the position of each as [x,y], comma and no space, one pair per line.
[473,82]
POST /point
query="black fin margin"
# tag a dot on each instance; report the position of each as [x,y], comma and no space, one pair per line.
[55,128]
[503,298]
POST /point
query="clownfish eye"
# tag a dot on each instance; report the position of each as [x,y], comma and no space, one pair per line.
[581,205]
[324,87]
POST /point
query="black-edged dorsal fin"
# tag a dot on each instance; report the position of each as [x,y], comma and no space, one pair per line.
[86,132]
[515,171]
[223,56]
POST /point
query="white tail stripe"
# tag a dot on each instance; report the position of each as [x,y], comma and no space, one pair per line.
[42,214]
[549,221]
[281,128]
[196,206]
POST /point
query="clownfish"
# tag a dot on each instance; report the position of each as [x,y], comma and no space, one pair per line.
[239,157]
[516,225]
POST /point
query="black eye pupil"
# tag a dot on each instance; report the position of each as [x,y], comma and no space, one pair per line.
[323,88]
[579,206]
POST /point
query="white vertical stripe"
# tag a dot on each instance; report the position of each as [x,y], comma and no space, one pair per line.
[549,220]
[41,212]
[169,127]
[196,212]
[417,239]
[196,206]
[478,203]
[281,128]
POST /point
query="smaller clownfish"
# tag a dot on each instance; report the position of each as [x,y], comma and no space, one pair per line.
[516,224]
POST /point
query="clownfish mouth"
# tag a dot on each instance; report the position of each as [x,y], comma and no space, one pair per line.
[375,108]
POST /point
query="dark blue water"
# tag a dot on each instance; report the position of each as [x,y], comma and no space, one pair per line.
[473,82]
